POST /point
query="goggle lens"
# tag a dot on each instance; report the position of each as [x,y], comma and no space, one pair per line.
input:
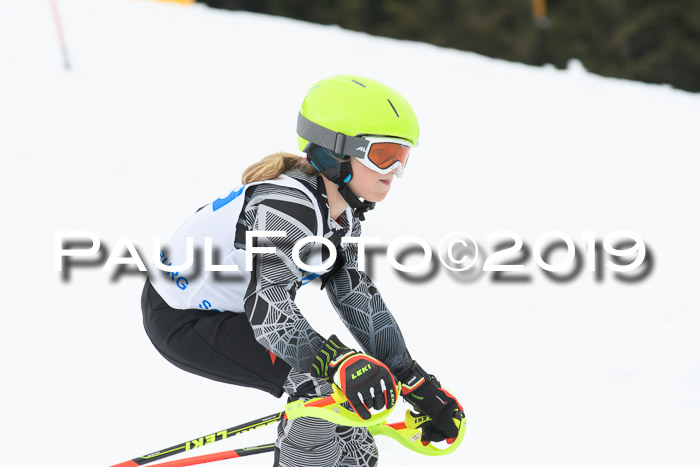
[384,155]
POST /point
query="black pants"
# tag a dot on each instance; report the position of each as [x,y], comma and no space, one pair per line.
[214,344]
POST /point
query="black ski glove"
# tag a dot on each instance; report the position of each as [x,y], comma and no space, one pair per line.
[424,393]
[365,381]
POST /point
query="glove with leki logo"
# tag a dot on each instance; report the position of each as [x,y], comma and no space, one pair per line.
[428,397]
[366,382]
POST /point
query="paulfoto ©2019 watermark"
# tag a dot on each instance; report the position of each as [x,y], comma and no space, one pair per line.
[622,252]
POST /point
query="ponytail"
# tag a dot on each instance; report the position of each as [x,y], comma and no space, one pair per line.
[274,165]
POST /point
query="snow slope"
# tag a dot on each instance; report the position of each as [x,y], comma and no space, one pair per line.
[167,104]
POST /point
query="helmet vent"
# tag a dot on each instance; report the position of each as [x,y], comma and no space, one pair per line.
[357,82]
[393,108]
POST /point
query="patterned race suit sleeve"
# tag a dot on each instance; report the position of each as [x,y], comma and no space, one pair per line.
[360,306]
[277,323]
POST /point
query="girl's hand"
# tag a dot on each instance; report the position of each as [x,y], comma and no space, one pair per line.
[366,382]
[428,397]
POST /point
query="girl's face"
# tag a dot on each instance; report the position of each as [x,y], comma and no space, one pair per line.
[368,184]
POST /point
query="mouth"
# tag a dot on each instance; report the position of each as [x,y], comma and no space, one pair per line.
[386,182]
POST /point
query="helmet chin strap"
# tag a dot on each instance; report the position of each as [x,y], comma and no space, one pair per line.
[359,208]
[341,174]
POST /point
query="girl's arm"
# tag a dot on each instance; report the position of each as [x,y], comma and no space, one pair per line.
[360,306]
[277,323]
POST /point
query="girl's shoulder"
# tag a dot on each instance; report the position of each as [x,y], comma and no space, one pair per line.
[302,188]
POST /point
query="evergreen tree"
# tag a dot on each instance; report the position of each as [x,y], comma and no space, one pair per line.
[656,41]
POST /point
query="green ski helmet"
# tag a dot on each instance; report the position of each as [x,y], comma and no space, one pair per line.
[335,115]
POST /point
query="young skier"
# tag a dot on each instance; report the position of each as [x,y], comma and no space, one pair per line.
[244,327]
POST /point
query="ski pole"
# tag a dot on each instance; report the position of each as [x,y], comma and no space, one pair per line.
[407,433]
[331,402]
[328,408]
[218,456]
[204,440]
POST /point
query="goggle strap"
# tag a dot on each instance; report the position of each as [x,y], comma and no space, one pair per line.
[339,143]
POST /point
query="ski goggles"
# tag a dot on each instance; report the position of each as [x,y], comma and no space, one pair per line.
[384,154]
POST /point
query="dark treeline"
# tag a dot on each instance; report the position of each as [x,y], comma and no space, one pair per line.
[656,41]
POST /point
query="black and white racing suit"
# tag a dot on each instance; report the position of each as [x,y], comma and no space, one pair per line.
[262,339]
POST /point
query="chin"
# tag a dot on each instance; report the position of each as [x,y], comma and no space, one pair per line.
[376,198]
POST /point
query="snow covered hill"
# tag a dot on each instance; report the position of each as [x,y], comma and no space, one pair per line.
[164,107]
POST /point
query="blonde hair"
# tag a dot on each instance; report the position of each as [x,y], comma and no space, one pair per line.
[274,165]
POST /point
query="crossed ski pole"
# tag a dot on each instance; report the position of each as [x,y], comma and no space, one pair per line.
[330,408]
[205,440]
